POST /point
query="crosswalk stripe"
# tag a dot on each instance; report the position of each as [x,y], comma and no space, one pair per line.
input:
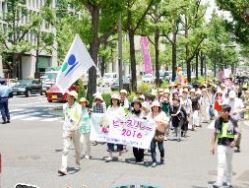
[50,119]
[24,115]
[31,118]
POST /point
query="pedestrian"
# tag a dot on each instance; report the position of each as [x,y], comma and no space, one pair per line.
[161,123]
[187,105]
[137,112]
[218,101]
[98,107]
[178,117]
[4,101]
[72,113]
[195,108]
[124,100]
[237,108]
[225,135]
[85,128]
[114,111]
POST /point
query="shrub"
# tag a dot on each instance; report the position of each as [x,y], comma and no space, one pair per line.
[144,88]
[131,96]
[165,84]
[107,98]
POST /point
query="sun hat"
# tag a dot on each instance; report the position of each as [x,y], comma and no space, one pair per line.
[98,96]
[136,100]
[123,91]
[115,96]
[155,103]
[83,99]
[73,94]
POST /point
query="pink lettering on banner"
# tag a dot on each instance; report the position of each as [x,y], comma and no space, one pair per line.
[115,123]
[145,50]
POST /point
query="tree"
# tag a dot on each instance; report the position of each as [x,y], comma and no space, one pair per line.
[14,35]
[136,13]
[103,19]
[240,12]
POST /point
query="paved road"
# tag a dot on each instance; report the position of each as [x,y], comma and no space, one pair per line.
[31,152]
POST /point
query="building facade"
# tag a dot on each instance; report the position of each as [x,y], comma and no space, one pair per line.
[34,62]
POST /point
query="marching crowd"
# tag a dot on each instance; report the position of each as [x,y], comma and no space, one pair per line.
[177,109]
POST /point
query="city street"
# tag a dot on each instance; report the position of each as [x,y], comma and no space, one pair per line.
[31,147]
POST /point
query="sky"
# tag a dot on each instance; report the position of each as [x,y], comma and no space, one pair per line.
[213,7]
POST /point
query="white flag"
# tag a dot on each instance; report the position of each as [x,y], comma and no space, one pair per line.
[76,63]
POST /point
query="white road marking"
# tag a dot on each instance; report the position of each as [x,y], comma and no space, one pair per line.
[50,119]
[31,118]
[24,115]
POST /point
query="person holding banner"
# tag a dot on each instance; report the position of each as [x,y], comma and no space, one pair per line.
[85,128]
[117,112]
[137,111]
[72,112]
[161,123]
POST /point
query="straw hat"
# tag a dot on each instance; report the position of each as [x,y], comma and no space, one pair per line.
[83,99]
[136,100]
[123,91]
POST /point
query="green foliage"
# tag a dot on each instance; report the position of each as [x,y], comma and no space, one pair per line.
[165,84]
[144,88]
[107,98]
[131,96]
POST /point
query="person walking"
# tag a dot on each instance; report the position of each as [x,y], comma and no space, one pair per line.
[4,101]
[178,117]
[225,135]
[72,112]
[114,111]
[161,123]
[85,128]
[137,112]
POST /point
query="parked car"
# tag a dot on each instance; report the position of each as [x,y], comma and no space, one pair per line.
[115,85]
[27,87]
[109,78]
[54,94]
[148,78]
[48,80]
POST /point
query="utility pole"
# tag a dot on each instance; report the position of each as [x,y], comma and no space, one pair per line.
[120,69]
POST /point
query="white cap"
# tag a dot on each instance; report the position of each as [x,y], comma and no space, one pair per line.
[232,94]
[198,92]
[115,96]
[192,90]
[73,93]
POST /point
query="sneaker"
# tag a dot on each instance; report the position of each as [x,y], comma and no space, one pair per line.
[162,161]
[77,167]
[237,150]
[62,172]
[227,185]
[216,186]
[108,159]
[8,121]
[153,164]
[87,157]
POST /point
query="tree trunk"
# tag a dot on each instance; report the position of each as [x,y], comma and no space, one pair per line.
[94,48]
[202,63]
[174,57]
[197,65]
[188,62]
[102,65]
[157,63]
[133,61]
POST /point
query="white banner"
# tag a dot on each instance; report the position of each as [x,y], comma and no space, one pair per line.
[131,130]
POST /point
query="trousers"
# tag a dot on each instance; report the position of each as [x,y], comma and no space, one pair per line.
[68,138]
[4,106]
[153,149]
[224,166]
[85,143]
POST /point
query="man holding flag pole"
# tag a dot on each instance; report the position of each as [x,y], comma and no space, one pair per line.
[77,63]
